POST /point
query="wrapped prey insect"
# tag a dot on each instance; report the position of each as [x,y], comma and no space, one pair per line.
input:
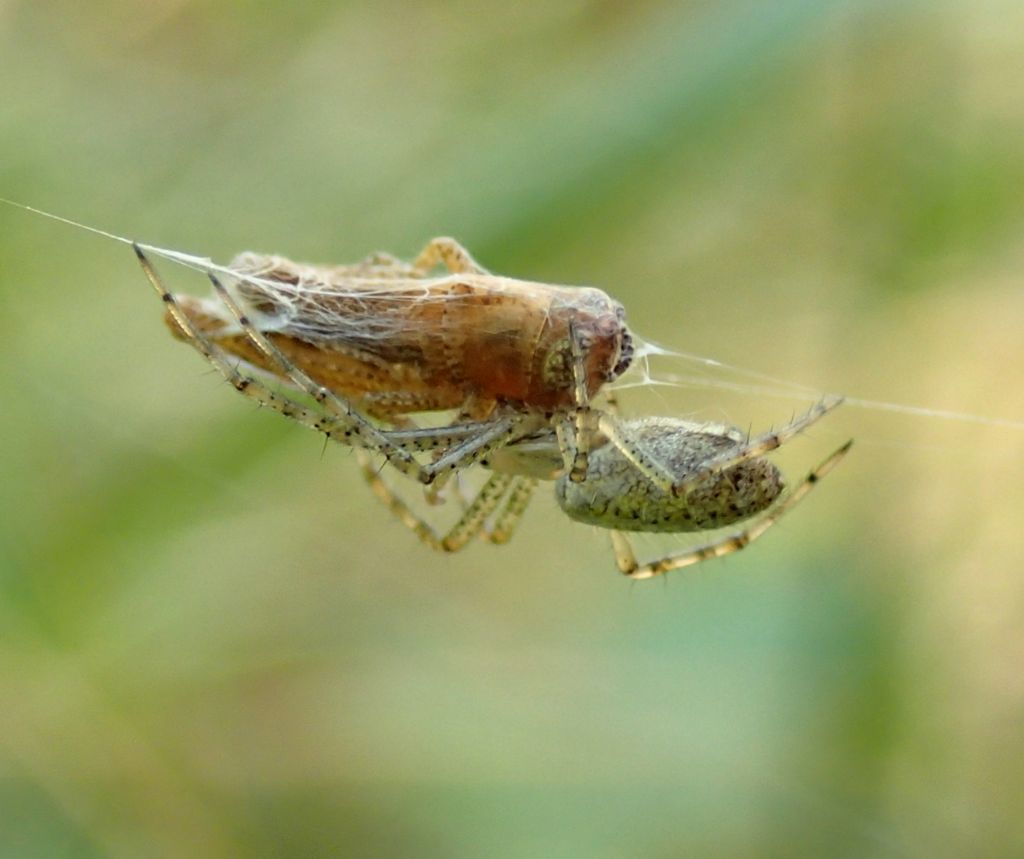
[383,339]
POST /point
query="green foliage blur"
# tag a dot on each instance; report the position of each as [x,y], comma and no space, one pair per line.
[215,642]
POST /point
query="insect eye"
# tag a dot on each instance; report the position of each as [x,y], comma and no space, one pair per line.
[625,356]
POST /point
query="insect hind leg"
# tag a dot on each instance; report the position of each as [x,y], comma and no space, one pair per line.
[446,250]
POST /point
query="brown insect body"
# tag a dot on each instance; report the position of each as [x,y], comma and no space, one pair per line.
[404,342]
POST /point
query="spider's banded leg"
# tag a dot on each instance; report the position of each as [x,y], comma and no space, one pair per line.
[659,473]
[246,384]
[422,439]
[651,468]
[476,447]
[348,419]
[760,445]
[466,444]
[473,410]
[448,251]
[449,459]
[507,519]
[439,440]
[471,523]
[628,565]
[461,445]
[583,422]
[471,451]
[338,428]
[474,519]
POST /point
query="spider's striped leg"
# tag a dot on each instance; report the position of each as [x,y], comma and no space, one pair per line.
[474,410]
[659,473]
[507,519]
[626,559]
[584,420]
[472,522]
[356,427]
[245,383]
[460,446]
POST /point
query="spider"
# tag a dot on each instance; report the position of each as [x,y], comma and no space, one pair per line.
[397,341]
[719,477]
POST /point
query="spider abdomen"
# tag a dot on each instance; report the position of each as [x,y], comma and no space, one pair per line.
[615,494]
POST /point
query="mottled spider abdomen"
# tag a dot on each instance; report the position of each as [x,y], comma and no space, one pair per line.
[615,494]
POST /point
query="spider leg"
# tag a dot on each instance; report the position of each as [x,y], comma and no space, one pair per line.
[472,522]
[662,476]
[507,519]
[474,409]
[423,439]
[460,445]
[347,424]
[584,420]
[346,417]
[247,384]
[577,427]
[626,559]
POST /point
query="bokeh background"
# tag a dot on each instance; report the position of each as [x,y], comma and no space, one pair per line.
[215,642]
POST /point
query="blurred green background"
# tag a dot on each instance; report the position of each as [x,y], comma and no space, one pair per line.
[215,642]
